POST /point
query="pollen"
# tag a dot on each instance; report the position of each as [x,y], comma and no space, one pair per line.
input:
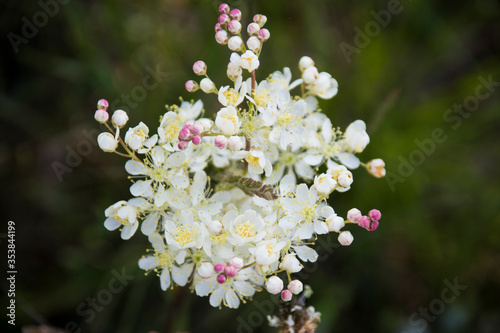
[231,96]
[285,119]
[308,212]
[171,132]
[262,97]
[252,160]
[164,258]
[184,235]
[246,230]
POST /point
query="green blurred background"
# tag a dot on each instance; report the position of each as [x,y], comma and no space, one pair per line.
[440,204]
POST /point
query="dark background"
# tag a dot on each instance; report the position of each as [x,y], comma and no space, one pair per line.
[440,222]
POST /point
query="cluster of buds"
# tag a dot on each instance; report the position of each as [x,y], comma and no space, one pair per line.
[320,84]
[369,222]
[274,285]
[107,141]
[193,132]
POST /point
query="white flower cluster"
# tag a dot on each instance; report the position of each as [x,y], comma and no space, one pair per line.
[226,204]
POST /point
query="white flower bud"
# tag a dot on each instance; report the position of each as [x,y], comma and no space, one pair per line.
[356,137]
[227,120]
[345,238]
[295,286]
[235,43]
[353,215]
[253,44]
[206,270]
[101,116]
[324,183]
[234,143]
[236,262]
[206,123]
[376,167]
[107,142]
[305,62]
[310,74]
[207,85]
[215,227]
[335,223]
[274,285]
[291,264]
[345,178]
[119,118]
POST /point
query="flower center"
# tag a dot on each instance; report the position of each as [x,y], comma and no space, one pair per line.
[184,235]
[231,96]
[262,97]
[308,213]
[171,132]
[164,258]
[219,239]
[285,119]
[246,230]
[252,160]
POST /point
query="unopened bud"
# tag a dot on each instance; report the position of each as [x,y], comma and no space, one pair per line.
[376,167]
[236,262]
[263,34]
[234,27]
[364,222]
[310,74]
[107,142]
[353,215]
[260,19]
[206,270]
[206,123]
[223,20]
[253,29]
[182,145]
[231,271]
[220,141]
[207,85]
[196,140]
[335,223]
[234,143]
[374,214]
[274,285]
[221,279]
[286,295]
[102,104]
[224,8]
[305,62]
[219,267]
[345,238]
[191,86]
[253,44]
[222,37]
[185,134]
[101,116]
[235,14]
[295,286]
[235,43]
[119,118]
[200,68]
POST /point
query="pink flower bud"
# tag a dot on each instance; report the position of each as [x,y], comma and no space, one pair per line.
[253,44]
[224,8]
[220,141]
[373,226]
[197,129]
[222,37]
[263,34]
[295,286]
[182,145]
[374,214]
[206,123]
[101,116]
[235,14]
[253,29]
[236,262]
[191,86]
[223,20]
[219,267]
[102,104]
[235,43]
[221,279]
[364,222]
[260,19]
[234,27]
[185,134]
[189,124]
[286,295]
[231,271]
[234,143]
[200,68]
[196,140]
[353,215]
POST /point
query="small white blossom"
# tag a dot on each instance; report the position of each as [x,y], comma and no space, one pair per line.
[227,120]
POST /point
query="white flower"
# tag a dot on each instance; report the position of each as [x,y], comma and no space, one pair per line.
[206,270]
[267,252]
[324,86]
[356,137]
[235,143]
[246,228]
[274,285]
[185,233]
[137,137]
[247,60]
[124,214]
[343,177]
[107,142]
[290,263]
[257,163]
[345,238]
[227,120]
[119,118]
[230,96]
[324,183]
[335,223]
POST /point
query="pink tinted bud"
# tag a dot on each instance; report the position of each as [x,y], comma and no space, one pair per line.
[236,262]
[295,286]
[189,125]
[263,34]
[191,86]
[374,214]
[231,271]
[253,44]
[235,14]
[224,8]
[364,222]
[373,226]
[182,145]
[222,37]
[101,116]
[102,104]
[220,141]
[253,29]
[206,123]
[286,295]
[260,19]
[197,129]
[217,27]
[223,20]
[196,139]
[199,68]
[221,279]
[353,215]
[185,134]
[219,267]
[234,27]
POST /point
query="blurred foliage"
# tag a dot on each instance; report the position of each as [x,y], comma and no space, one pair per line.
[440,221]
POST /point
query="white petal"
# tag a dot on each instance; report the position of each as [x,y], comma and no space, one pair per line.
[232,300]
[148,263]
[129,230]
[349,160]
[135,168]
[140,187]
[305,253]
[111,224]
[160,196]
[216,297]
[149,224]
[179,276]
[176,159]
[165,279]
